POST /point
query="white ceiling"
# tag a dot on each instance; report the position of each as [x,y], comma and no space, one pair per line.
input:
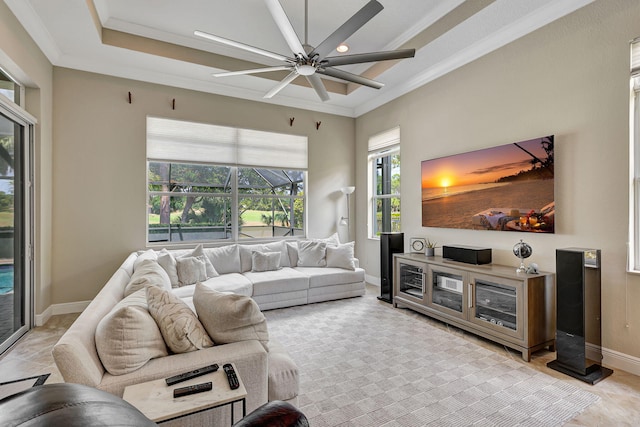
[445,33]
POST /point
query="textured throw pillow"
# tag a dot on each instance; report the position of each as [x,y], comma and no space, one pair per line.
[265,261]
[199,252]
[191,270]
[311,253]
[148,273]
[246,253]
[180,328]
[128,337]
[341,256]
[230,317]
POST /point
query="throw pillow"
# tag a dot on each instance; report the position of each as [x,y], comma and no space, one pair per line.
[180,328]
[341,256]
[311,253]
[191,270]
[265,261]
[292,253]
[199,252]
[148,273]
[225,259]
[334,239]
[230,317]
[168,262]
[128,337]
[142,255]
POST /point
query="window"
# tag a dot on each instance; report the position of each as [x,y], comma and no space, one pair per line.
[634,151]
[384,168]
[209,182]
[10,88]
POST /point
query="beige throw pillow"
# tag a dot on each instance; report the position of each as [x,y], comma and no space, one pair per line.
[191,270]
[230,317]
[147,273]
[311,253]
[265,261]
[180,328]
[128,337]
[341,256]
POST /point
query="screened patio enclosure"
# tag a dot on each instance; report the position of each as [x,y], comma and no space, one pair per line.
[205,202]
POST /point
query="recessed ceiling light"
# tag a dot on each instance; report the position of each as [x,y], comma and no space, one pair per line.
[342,48]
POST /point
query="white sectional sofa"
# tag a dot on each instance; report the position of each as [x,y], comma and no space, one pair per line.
[268,372]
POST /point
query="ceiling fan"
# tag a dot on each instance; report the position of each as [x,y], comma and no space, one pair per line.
[311,62]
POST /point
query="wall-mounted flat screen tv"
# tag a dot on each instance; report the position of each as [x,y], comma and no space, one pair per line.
[506,188]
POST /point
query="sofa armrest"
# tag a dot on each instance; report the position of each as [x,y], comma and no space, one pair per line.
[250,359]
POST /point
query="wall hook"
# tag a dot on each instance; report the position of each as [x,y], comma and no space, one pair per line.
[318,125]
[173,104]
[291,119]
[129,97]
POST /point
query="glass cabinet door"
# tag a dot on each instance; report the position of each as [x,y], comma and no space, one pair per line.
[498,305]
[410,280]
[448,291]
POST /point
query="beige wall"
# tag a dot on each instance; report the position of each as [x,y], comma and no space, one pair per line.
[20,56]
[571,79]
[99,167]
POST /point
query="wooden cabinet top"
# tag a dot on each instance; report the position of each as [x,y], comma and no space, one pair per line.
[505,271]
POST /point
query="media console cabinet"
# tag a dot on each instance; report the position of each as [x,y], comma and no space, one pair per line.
[493,301]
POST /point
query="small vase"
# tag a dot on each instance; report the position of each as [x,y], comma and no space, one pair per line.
[430,251]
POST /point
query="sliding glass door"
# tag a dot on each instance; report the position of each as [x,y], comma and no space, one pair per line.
[15,235]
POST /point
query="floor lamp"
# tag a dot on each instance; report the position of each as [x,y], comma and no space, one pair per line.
[345,220]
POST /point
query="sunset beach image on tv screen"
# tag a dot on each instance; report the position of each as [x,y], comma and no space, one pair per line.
[506,188]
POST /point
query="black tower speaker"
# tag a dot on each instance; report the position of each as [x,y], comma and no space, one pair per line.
[578,334]
[390,243]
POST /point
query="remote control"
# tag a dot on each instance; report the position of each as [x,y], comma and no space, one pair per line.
[231,376]
[192,389]
[192,374]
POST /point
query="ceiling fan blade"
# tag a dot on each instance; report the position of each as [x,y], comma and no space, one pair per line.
[254,71]
[283,23]
[360,58]
[350,77]
[277,88]
[318,86]
[241,46]
[352,25]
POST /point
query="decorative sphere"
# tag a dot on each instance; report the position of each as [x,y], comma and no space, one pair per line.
[522,250]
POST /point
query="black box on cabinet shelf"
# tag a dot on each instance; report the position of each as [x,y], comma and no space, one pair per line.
[467,254]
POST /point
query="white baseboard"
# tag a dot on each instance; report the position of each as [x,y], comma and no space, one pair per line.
[55,309]
[616,360]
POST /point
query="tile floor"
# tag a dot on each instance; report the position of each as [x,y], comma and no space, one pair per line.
[620,393]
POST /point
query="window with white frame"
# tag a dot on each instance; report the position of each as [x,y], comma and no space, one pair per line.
[384,182]
[208,182]
[634,151]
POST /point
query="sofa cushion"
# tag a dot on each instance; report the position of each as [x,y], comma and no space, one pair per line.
[265,261]
[142,255]
[225,259]
[148,273]
[272,282]
[329,276]
[191,270]
[311,253]
[180,328]
[233,282]
[341,256]
[284,377]
[128,337]
[229,317]
[169,261]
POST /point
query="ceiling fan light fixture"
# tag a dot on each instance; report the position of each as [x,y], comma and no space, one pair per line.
[305,69]
[343,48]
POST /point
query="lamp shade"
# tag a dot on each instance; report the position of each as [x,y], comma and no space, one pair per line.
[348,190]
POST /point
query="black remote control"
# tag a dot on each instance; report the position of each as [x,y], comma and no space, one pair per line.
[192,389]
[231,376]
[191,374]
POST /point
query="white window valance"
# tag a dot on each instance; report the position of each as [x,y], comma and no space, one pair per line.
[176,140]
[383,140]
